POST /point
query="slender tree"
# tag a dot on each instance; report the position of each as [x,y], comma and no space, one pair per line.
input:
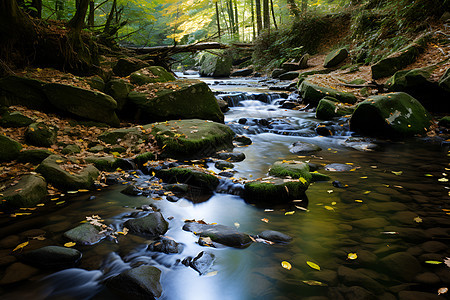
[253,19]
[266,14]
[217,17]
[273,15]
[91,16]
[258,16]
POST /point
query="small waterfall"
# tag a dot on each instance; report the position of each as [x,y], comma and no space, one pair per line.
[236,99]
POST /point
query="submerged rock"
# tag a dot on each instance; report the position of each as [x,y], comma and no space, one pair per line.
[275,236]
[392,115]
[165,245]
[142,282]
[29,191]
[221,234]
[53,257]
[152,225]
[303,148]
[402,265]
[85,234]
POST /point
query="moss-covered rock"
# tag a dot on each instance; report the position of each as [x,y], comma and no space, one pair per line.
[95,82]
[335,57]
[189,175]
[275,190]
[151,75]
[192,138]
[52,171]
[15,90]
[85,234]
[106,163]
[71,149]
[119,90]
[83,103]
[181,99]
[34,156]
[329,108]
[29,191]
[292,169]
[9,148]
[141,159]
[312,93]
[127,65]
[215,65]
[396,61]
[394,114]
[116,135]
[41,135]
[14,119]
[401,81]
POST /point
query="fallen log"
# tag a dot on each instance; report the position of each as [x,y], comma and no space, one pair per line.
[179,48]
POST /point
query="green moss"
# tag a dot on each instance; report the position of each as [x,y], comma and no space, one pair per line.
[328,109]
[445,122]
[143,158]
[151,75]
[312,93]
[9,148]
[275,191]
[335,57]
[292,169]
[189,175]
[402,80]
[113,136]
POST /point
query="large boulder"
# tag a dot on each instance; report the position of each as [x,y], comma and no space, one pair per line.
[392,115]
[215,65]
[29,191]
[119,90]
[152,225]
[15,90]
[138,283]
[34,156]
[221,234]
[151,75]
[52,257]
[335,57]
[41,135]
[14,119]
[329,108]
[304,148]
[92,105]
[51,169]
[181,99]
[127,65]
[9,148]
[85,234]
[312,93]
[189,175]
[192,138]
[296,170]
[275,190]
[396,61]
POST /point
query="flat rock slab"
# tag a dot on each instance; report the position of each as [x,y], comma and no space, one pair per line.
[275,236]
[152,225]
[221,234]
[338,167]
[52,257]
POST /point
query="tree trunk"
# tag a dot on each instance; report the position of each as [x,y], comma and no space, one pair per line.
[236,19]
[91,16]
[273,15]
[253,19]
[266,14]
[110,17]
[218,19]
[77,22]
[59,8]
[231,16]
[293,8]
[258,16]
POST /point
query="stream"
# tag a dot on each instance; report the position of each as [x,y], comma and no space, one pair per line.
[394,200]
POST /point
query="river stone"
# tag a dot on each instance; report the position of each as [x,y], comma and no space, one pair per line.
[289,75]
[192,138]
[202,262]
[17,272]
[177,188]
[165,245]
[304,148]
[312,94]
[223,165]
[275,190]
[152,225]
[52,257]
[15,119]
[387,206]
[151,75]
[189,175]
[242,72]
[92,105]
[71,149]
[434,246]
[335,167]
[405,217]
[221,234]
[335,57]
[41,135]
[142,282]
[401,265]
[9,148]
[29,191]
[180,99]
[143,158]
[292,169]
[360,143]
[119,90]
[105,163]
[243,140]
[415,295]
[396,61]
[329,108]
[275,236]
[28,92]
[85,234]
[352,277]
[54,174]
[131,190]
[215,65]
[394,114]
[427,278]
[231,156]
[117,135]
[370,223]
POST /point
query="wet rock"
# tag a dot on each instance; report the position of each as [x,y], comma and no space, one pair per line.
[366,258]
[71,149]
[312,93]
[131,190]
[85,234]
[17,272]
[191,176]
[142,282]
[289,105]
[275,236]
[289,75]
[324,130]
[231,156]
[223,105]
[392,115]
[226,174]
[203,262]
[221,234]
[34,156]
[223,165]
[9,148]
[370,223]
[181,188]
[427,278]
[292,169]
[29,191]
[54,174]
[52,257]
[215,65]
[338,167]
[352,277]
[329,108]
[434,246]
[151,74]
[41,135]
[242,72]
[335,57]
[402,265]
[106,163]
[119,90]
[414,295]
[338,184]
[359,293]
[165,245]
[304,148]
[152,225]
[192,138]
[360,144]
[15,119]
[243,140]
[275,190]
[277,72]
[127,65]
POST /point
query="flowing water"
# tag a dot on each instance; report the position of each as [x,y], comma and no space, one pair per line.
[395,200]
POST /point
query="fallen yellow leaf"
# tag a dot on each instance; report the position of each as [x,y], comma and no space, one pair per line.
[352,256]
[21,246]
[70,244]
[286,265]
[313,265]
